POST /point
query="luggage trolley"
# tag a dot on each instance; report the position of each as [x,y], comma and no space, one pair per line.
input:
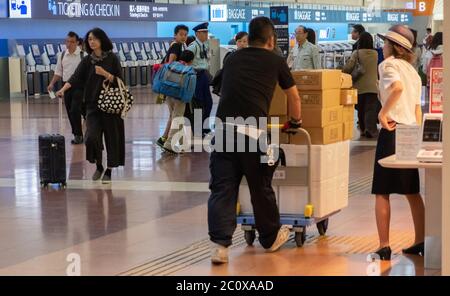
[299,222]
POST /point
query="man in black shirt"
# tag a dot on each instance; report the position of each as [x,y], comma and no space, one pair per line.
[250,76]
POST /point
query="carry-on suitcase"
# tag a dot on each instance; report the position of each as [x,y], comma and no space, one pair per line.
[52,156]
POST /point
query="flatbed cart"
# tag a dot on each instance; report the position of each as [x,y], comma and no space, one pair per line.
[299,222]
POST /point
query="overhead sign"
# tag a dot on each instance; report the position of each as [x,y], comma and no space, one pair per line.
[20,9]
[3,8]
[218,13]
[118,10]
[230,13]
[423,7]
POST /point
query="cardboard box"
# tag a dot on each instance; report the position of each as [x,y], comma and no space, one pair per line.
[320,136]
[321,117]
[320,98]
[346,81]
[348,113]
[348,130]
[279,105]
[349,96]
[317,79]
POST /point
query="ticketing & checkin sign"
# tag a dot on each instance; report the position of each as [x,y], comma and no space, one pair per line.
[109,10]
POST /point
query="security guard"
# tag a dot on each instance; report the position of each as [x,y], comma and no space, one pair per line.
[200,49]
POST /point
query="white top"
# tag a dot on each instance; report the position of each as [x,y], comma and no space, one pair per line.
[67,67]
[392,70]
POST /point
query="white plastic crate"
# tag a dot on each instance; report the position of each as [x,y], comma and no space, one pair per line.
[328,161]
[245,200]
[327,197]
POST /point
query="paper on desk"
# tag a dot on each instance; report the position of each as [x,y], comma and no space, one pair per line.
[407,142]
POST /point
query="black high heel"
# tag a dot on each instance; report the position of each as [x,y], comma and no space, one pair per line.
[384,253]
[418,249]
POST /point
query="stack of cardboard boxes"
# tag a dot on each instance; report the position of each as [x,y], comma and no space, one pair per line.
[349,98]
[279,110]
[328,115]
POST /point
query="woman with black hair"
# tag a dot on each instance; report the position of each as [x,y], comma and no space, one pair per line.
[100,65]
[366,84]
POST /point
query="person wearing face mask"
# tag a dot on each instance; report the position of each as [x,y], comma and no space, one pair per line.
[100,65]
[250,76]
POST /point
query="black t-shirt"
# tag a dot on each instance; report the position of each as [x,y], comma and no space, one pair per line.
[176,49]
[250,76]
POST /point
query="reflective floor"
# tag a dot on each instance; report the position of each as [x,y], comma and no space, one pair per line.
[152,219]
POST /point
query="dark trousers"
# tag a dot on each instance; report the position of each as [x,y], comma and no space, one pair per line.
[203,94]
[73,99]
[368,108]
[227,170]
[111,127]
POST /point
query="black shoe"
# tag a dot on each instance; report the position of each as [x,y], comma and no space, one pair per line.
[384,253]
[107,177]
[77,140]
[97,175]
[170,151]
[161,142]
[418,249]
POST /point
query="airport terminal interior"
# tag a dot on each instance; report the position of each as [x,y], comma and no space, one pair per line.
[152,219]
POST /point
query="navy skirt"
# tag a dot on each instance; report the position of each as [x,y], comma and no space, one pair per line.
[392,181]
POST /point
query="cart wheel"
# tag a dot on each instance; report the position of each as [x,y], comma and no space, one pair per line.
[322,226]
[250,236]
[300,237]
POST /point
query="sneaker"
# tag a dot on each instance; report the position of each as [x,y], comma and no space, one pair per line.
[282,238]
[168,150]
[219,254]
[106,179]
[161,142]
[77,140]
[97,175]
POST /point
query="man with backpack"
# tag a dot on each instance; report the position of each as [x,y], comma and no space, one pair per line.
[177,82]
[73,99]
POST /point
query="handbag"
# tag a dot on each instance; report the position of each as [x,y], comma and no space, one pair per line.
[358,70]
[115,100]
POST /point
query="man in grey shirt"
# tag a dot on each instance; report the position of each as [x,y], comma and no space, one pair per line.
[305,55]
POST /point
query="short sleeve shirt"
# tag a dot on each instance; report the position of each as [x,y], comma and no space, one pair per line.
[393,70]
[250,76]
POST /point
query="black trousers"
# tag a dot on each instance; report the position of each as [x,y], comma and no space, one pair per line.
[111,127]
[368,112]
[227,170]
[73,99]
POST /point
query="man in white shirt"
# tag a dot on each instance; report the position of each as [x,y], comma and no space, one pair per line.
[73,99]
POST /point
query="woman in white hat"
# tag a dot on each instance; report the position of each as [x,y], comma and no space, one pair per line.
[400,95]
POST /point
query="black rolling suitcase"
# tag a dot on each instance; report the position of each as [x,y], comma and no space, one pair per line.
[52,156]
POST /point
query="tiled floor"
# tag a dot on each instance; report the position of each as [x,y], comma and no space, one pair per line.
[156,206]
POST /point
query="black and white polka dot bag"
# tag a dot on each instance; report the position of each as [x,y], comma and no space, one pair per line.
[115,100]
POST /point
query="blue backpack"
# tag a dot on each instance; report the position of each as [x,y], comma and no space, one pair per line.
[176,80]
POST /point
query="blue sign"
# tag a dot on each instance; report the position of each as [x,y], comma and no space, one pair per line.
[3,8]
[117,10]
[20,9]
[280,18]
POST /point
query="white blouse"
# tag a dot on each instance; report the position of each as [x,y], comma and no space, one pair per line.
[392,70]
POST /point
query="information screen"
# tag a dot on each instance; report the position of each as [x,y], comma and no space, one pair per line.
[432,130]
